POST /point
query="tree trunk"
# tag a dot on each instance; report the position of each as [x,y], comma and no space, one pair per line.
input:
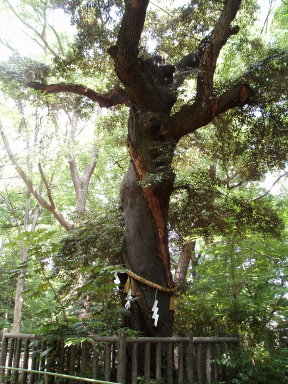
[145,202]
[187,254]
[18,304]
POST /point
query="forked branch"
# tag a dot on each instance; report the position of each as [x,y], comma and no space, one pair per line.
[43,202]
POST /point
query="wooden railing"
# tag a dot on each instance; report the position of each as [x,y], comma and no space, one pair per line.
[130,360]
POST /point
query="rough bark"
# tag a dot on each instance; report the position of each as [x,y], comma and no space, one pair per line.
[143,249]
[145,197]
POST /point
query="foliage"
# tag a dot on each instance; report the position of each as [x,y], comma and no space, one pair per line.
[239,284]
[258,366]
[239,287]
[7,284]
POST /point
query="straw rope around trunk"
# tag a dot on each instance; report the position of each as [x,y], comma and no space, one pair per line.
[151,284]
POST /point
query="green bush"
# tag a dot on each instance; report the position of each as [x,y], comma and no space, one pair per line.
[257,367]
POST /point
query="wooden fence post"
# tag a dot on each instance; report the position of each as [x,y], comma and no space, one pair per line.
[16,361]
[190,355]
[238,343]
[121,359]
[3,355]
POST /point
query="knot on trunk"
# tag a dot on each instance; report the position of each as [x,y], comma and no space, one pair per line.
[151,123]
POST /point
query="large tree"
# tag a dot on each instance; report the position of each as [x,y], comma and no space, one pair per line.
[151,89]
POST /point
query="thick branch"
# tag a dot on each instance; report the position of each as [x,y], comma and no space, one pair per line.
[217,39]
[114,97]
[142,92]
[192,60]
[197,115]
[131,27]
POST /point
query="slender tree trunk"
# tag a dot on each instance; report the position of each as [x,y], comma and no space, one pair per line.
[18,303]
[187,255]
[195,264]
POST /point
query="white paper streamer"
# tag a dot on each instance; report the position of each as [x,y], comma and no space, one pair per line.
[155,310]
[129,298]
[117,281]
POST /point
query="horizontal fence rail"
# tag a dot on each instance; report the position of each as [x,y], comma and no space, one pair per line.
[61,375]
[121,359]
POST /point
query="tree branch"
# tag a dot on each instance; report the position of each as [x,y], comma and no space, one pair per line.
[12,210]
[72,161]
[268,191]
[80,183]
[74,172]
[142,90]
[113,97]
[90,166]
[275,259]
[211,49]
[7,45]
[58,38]
[44,203]
[131,27]
[197,115]
[47,186]
[41,36]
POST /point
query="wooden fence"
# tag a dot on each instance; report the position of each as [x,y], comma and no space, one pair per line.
[127,360]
